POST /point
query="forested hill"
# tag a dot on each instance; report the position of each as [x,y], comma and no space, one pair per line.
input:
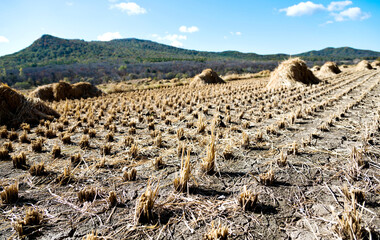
[341,54]
[49,50]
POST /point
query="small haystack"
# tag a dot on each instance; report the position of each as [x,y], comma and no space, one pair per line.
[329,69]
[363,65]
[44,92]
[84,90]
[62,90]
[316,68]
[375,64]
[291,72]
[208,76]
[15,108]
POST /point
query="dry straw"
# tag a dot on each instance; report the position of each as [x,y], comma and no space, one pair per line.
[293,71]
[208,76]
[145,204]
[181,182]
[329,69]
[16,109]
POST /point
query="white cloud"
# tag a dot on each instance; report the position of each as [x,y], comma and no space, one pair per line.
[354,13]
[185,29]
[3,39]
[174,39]
[130,8]
[108,36]
[176,43]
[338,6]
[236,33]
[303,8]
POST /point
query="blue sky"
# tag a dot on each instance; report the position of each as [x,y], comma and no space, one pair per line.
[264,27]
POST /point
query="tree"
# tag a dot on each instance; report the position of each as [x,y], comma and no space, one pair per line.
[21,73]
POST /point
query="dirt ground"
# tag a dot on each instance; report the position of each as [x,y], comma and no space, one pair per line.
[316,128]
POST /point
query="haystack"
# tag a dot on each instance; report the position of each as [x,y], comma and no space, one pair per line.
[84,90]
[292,72]
[363,65]
[375,64]
[329,69]
[44,92]
[208,76]
[62,90]
[315,68]
[15,108]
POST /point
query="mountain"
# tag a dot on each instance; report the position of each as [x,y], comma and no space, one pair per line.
[341,53]
[49,50]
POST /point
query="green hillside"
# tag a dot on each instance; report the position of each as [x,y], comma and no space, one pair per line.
[50,50]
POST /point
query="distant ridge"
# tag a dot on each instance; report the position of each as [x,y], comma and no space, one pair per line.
[50,50]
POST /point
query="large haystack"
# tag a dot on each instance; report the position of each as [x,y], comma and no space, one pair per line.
[291,72]
[329,69]
[15,108]
[375,64]
[62,90]
[208,76]
[363,65]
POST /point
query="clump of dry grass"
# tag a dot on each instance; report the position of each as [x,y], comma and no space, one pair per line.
[216,232]
[19,161]
[37,145]
[66,138]
[208,163]
[228,152]
[8,146]
[84,142]
[75,159]
[87,194]
[158,140]
[13,135]
[110,137]
[112,198]
[92,133]
[4,154]
[201,125]
[65,177]
[9,194]
[37,169]
[145,204]
[158,163]
[134,151]
[24,137]
[31,222]
[267,178]
[180,134]
[281,161]
[130,175]
[247,199]
[245,140]
[349,223]
[56,151]
[106,149]
[181,182]
[128,141]
[4,132]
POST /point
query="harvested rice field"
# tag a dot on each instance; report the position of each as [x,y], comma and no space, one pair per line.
[225,161]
